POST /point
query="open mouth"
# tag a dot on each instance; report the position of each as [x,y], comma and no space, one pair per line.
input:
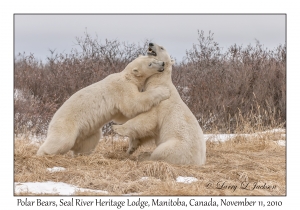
[151,52]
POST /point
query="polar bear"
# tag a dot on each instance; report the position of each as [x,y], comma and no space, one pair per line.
[178,136]
[77,123]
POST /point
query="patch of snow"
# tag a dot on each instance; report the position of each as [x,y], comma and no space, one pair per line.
[226,137]
[186,179]
[90,190]
[130,194]
[185,90]
[281,142]
[210,121]
[18,95]
[218,137]
[55,169]
[37,139]
[32,137]
[178,179]
[145,178]
[276,130]
[114,138]
[51,188]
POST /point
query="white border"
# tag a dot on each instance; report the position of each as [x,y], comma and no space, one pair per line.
[8,8]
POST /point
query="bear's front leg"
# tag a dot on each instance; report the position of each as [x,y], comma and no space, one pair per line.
[121,130]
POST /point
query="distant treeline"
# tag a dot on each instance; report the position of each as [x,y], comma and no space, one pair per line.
[235,90]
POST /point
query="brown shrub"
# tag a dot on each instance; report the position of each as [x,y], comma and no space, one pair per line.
[227,91]
[243,85]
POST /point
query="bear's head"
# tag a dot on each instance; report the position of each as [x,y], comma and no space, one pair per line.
[145,66]
[160,53]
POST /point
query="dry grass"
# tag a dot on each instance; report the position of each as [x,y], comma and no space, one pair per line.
[240,160]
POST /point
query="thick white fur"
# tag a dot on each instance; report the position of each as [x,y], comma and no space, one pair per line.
[177,134]
[77,123]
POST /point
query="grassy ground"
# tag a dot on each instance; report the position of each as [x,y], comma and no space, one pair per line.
[253,165]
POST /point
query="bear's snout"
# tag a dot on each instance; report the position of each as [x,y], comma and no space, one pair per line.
[163,64]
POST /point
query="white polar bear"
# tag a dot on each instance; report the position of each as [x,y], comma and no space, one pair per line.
[177,134]
[77,123]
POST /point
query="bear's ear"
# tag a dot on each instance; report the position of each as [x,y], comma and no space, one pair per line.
[136,72]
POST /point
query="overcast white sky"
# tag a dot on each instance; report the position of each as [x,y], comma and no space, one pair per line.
[177,33]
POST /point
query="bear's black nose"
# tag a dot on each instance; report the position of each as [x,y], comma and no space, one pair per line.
[151,44]
[163,64]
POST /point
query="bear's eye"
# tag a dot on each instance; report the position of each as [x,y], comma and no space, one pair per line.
[162,48]
[150,64]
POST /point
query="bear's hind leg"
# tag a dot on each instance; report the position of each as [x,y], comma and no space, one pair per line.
[56,145]
[60,139]
[171,151]
[135,143]
[87,145]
